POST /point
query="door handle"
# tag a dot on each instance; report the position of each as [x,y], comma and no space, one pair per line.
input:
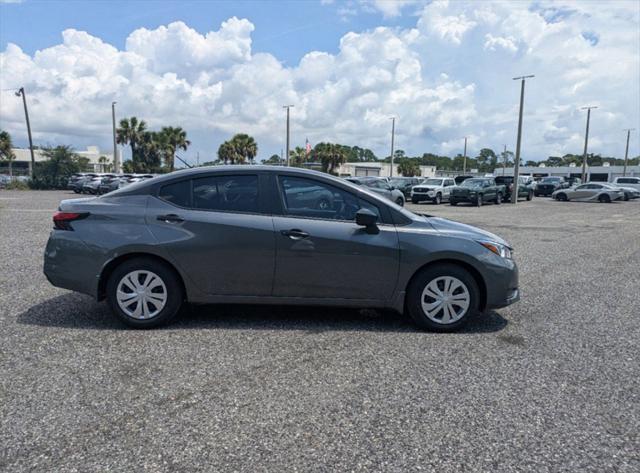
[170,218]
[295,234]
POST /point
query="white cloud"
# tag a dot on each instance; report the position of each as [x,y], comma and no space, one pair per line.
[448,77]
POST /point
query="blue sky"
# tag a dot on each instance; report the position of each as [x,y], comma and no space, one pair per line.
[442,68]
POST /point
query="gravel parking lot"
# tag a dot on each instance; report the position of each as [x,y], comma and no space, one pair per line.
[549,384]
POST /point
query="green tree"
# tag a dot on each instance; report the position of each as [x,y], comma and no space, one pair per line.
[172,139]
[245,147]
[409,167]
[61,162]
[105,163]
[486,160]
[227,153]
[6,152]
[130,132]
[275,160]
[330,155]
[297,156]
[150,153]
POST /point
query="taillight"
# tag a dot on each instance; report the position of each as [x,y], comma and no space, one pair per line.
[62,220]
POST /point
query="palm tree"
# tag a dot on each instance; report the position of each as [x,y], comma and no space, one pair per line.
[173,139]
[245,146]
[131,132]
[227,153]
[330,155]
[298,156]
[5,149]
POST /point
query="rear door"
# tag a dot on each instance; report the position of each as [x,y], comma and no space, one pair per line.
[322,253]
[218,231]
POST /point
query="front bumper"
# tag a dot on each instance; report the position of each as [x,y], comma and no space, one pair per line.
[502,285]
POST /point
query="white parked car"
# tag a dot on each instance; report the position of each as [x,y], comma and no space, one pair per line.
[626,182]
[434,189]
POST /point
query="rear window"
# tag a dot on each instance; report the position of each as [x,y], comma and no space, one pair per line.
[226,193]
[627,180]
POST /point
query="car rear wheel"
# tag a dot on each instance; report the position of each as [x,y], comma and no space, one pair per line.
[442,297]
[400,201]
[144,293]
[562,197]
[604,199]
[438,199]
[530,195]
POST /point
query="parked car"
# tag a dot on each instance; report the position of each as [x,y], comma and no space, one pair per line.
[590,192]
[477,191]
[460,179]
[628,181]
[434,189]
[152,246]
[380,186]
[525,187]
[76,183]
[548,185]
[404,184]
[630,193]
[91,186]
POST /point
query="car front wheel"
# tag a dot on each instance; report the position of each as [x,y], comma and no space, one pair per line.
[144,293]
[442,298]
[438,199]
[479,201]
[498,198]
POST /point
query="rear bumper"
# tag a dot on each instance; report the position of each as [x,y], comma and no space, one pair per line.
[70,264]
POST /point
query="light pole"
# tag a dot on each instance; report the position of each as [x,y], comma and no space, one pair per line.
[504,159]
[464,157]
[287,107]
[116,161]
[393,132]
[19,93]
[626,151]
[516,164]
[586,143]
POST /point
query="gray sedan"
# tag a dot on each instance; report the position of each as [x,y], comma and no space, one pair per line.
[381,186]
[242,234]
[590,192]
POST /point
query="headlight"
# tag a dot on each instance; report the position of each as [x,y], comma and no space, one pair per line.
[497,248]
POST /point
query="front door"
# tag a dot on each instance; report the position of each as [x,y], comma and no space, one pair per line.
[322,253]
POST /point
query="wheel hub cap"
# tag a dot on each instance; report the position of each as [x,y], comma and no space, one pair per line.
[445,300]
[141,294]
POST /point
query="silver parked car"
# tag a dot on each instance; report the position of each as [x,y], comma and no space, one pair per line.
[382,186]
[590,192]
[240,234]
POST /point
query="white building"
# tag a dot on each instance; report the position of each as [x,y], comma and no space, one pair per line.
[22,163]
[378,169]
[604,173]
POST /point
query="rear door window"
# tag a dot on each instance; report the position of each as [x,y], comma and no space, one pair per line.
[235,193]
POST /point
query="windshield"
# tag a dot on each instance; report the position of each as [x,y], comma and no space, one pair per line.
[472,183]
[432,182]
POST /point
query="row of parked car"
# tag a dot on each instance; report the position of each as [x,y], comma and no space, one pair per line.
[565,189]
[102,183]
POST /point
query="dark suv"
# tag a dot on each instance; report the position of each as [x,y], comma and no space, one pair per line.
[525,187]
[548,185]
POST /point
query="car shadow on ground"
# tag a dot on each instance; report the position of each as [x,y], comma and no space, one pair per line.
[75,311]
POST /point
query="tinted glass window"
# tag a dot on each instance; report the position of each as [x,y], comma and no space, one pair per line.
[314,199]
[177,193]
[226,193]
[627,180]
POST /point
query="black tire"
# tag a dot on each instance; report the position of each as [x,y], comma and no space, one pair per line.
[499,198]
[77,191]
[626,197]
[413,301]
[438,199]
[562,197]
[536,194]
[175,292]
[604,199]
[453,202]
[478,200]
[414,200]
[530,195]
[400,201]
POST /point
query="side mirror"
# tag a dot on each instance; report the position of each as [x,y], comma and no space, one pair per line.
[366,218]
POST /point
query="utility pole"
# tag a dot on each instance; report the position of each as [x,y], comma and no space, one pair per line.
[19,93]
[287,107]
[393,132]
[464,157]
[504,159]
[586,143]
[516,165]
[116,161]
[626,151]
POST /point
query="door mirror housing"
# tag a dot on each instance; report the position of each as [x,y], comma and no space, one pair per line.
[366,218]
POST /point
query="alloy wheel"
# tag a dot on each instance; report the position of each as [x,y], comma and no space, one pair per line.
[141,294]
[445,300]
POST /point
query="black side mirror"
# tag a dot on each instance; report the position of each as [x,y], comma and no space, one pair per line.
[366,218]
